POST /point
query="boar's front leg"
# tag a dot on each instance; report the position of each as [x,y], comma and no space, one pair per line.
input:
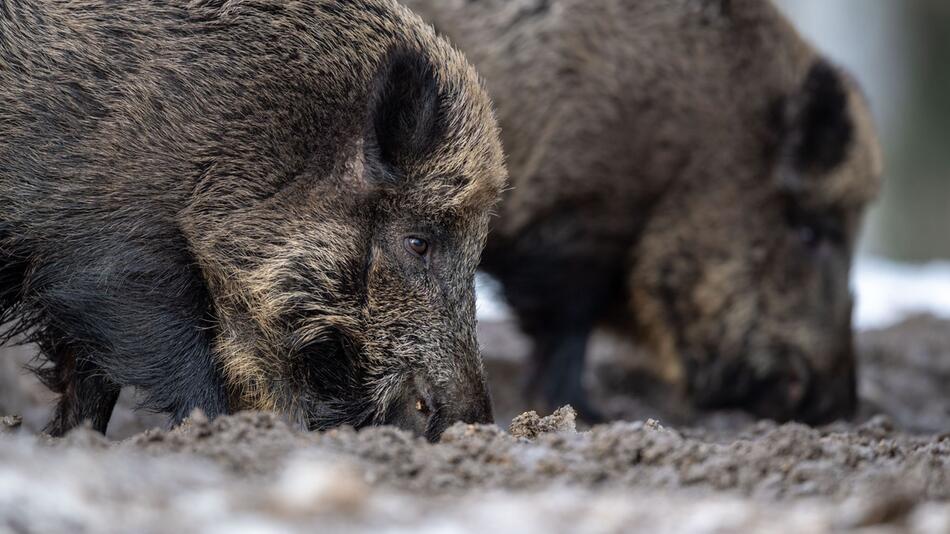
[138,314]
[85,393]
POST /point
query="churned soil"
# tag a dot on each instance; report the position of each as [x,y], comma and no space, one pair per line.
[660,468]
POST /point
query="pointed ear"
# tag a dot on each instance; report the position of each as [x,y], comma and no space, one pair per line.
[817,127]
[406,116]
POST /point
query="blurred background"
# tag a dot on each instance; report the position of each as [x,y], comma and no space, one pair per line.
[900,52]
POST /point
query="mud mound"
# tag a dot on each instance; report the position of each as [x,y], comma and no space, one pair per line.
[251,471]
[770,462]
[680,472]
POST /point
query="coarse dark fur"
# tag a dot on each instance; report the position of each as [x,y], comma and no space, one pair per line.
[689,173]
[211,200]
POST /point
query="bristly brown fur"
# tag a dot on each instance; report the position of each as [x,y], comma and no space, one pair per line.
[688,172]
[208,201]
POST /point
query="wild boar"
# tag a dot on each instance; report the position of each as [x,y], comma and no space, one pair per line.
[689,173]
[245,205]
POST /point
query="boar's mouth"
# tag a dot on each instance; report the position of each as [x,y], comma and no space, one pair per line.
[334,389]
[336,384]
[790,392]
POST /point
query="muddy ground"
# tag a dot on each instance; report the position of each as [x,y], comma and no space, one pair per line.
[662,468]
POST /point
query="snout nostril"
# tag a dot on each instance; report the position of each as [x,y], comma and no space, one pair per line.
[795,388]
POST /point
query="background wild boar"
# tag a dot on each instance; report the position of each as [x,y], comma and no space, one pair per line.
[687,172]
[245,204]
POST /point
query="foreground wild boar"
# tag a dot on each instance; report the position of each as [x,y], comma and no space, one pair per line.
[245,204]
[687,172]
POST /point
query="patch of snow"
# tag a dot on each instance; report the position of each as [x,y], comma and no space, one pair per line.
[490,305]
[888,291]
[885,291]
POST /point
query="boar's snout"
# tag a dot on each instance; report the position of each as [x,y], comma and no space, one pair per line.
[789,389]
[427,410]
[472,407]
[795,391]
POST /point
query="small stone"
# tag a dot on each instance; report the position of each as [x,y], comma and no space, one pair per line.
[653,424]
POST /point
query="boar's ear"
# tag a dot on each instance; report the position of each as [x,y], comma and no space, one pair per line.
[816,125]
[406,117]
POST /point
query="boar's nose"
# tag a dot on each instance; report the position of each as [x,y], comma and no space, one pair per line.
[428,411]
[470,405]
[794,391]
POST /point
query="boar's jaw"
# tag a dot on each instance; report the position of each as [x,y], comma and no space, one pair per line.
[330,386]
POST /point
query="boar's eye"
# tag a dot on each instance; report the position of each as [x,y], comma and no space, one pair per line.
[417,246]
[812,233]
[813,229]
[809,235]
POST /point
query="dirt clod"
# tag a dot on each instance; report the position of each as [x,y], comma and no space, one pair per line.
[10,422]
[530,425]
